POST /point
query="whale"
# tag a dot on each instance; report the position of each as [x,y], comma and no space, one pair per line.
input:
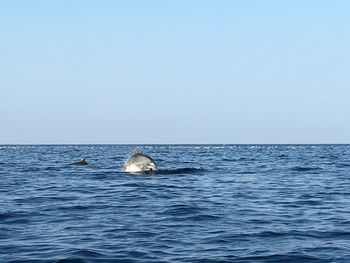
[81,162]
[139,163]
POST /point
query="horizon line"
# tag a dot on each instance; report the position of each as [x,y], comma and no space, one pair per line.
[126,144]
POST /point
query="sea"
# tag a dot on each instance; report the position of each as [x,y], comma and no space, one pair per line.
[206,203]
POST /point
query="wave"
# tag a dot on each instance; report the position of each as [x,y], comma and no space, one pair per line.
[30,169]
[185,170]
[276,258]
[16,217]
[71,260]
[305,169]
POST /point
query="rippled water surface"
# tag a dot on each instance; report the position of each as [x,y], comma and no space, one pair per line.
[207,203]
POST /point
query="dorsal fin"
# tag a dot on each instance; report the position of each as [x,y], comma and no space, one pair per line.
[83,160]
[136,150]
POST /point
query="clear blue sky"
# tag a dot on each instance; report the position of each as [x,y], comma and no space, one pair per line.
[175,71]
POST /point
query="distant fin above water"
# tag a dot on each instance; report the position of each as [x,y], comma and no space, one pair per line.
[81,162]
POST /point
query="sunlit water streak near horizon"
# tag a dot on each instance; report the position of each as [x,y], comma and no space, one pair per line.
[207,203]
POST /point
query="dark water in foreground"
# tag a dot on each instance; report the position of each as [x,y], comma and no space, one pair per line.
[283,203]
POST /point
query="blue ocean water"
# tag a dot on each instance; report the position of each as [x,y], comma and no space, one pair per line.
[207,203]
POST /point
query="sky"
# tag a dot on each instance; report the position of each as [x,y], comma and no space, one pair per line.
[180,71]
